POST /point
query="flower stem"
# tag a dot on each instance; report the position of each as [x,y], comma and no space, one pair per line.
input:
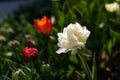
[85,65]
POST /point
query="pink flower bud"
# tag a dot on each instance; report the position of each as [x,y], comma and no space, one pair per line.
[30,53]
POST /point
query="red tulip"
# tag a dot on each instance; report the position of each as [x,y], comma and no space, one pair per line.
[30,53]
[44,25]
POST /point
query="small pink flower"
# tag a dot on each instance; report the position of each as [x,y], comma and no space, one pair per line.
[30,53]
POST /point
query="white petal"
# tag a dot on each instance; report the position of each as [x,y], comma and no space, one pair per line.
[86,33]
[61,50]
[74,51]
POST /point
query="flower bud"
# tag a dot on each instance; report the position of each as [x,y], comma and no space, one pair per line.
[30,53]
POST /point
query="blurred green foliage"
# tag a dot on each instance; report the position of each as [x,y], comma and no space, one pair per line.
[18,31]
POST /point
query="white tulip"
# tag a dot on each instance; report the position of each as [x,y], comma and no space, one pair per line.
[74,36]
[112,7]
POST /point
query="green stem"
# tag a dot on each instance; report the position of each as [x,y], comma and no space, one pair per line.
[85,65]
[94,70]
[81,76]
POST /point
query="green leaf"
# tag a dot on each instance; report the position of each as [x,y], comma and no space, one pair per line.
[5,78]
[94,70]
[85,65]
[73,58]
[81,75]
[71,67]
[86,51]
[109,46]
[115,34]
[61,19]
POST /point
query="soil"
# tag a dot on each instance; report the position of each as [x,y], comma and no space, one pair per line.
[111,71]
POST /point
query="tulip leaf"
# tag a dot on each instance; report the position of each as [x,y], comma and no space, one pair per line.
[86,51]
[5,77]
[115,34]
[94,71]
[73,58]
[61,19]
[85,65]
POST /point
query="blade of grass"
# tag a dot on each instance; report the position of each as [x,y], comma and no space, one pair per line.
[85,65]
[94,70]
[81,76]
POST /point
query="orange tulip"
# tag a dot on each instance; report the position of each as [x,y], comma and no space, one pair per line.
[44,25]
